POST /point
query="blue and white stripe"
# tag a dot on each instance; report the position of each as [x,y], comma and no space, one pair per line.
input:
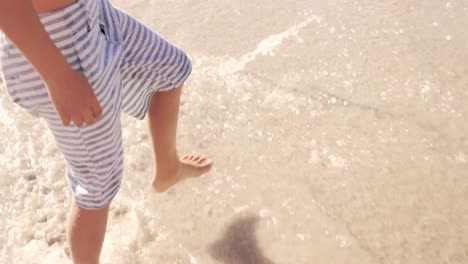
[125,63]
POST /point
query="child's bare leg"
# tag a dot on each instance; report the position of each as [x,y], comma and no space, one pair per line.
[85,233]
[163,114]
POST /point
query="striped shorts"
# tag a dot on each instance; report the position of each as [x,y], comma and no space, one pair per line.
[124,62]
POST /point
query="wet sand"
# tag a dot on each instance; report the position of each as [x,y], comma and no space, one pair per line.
[337,131]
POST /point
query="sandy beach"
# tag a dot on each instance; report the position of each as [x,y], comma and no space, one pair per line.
[337,129]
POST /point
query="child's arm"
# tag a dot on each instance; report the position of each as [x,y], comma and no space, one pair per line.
[69,90]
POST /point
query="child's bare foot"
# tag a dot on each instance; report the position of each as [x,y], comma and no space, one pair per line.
[189,166]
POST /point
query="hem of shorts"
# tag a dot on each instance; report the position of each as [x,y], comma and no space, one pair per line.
[81,206]
[107,203]
[171,86]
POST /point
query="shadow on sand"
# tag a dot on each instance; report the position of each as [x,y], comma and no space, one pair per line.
[238,245]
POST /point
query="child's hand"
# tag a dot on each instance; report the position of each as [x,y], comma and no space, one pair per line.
[69,90]
[74,99]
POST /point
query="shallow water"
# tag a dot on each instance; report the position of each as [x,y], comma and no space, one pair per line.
[337,131]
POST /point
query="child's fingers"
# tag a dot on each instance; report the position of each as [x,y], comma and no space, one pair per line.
[88,117]
[78,121]
[66,121]
[96,109]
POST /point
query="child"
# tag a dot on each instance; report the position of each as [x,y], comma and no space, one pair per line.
[78,64]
